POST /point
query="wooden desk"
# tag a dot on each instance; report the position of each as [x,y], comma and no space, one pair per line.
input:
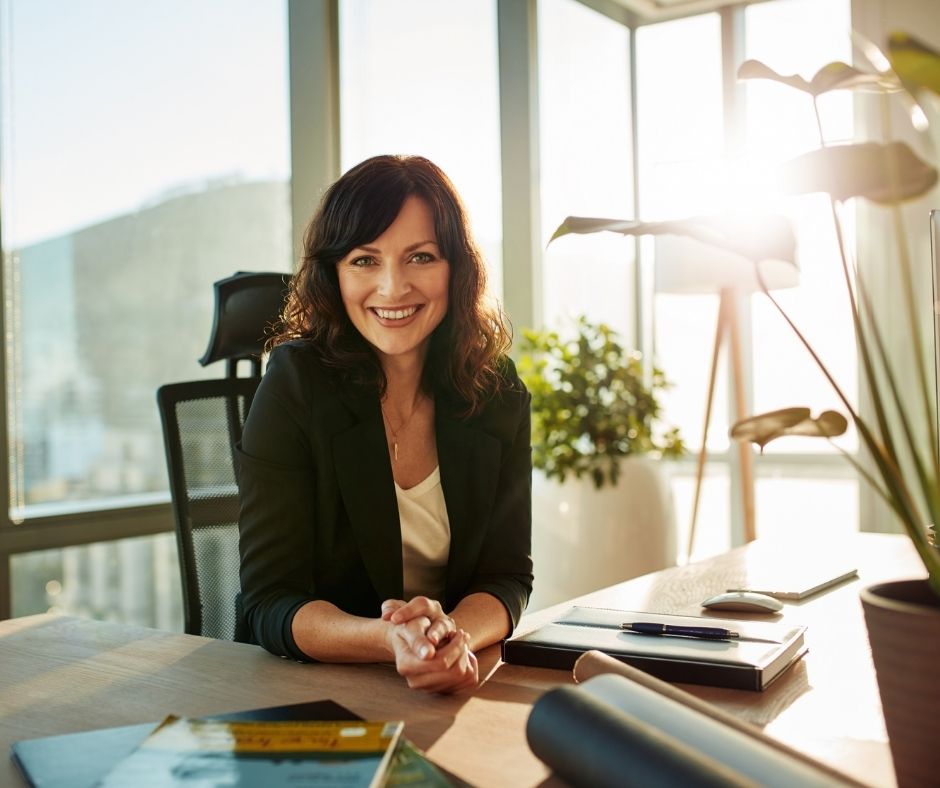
[61,674]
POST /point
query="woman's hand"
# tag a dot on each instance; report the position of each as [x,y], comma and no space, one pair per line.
[430,652]
[452,668]
[437,629]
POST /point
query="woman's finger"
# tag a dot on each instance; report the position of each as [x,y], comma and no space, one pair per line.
[441,629]
[449,653]
[414,637]
[452,680]
[419,606]
[389,606]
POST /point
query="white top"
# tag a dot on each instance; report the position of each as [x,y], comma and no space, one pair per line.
[425,537]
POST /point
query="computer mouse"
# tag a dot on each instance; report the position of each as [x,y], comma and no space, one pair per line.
[744,602]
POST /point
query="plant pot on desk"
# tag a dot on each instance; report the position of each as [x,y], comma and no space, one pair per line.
[584,538]
[903,620]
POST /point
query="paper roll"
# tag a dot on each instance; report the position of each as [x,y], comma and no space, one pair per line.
[596,663]
[614,731]
[590,744]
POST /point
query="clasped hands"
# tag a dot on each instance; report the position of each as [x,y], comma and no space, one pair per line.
[431,653]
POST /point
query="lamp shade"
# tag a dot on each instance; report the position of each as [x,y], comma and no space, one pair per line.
[705,254]
[687,265]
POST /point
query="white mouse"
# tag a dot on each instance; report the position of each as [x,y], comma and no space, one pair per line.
[744,601]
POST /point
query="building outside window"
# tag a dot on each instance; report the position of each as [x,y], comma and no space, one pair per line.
[145,155]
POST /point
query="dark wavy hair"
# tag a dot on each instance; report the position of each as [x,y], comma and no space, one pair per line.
[466,347]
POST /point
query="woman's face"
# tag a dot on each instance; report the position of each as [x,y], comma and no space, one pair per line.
[394,288]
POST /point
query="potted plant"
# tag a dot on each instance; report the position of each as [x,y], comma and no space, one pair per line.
[903,618]
[602,508]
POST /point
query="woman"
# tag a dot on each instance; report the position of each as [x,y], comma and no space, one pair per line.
[385,470]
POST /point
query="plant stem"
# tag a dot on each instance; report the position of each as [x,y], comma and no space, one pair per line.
[864,351]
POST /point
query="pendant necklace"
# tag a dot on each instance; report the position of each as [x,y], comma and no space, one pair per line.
[401,426]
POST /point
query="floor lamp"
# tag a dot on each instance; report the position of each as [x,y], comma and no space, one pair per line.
[685,265]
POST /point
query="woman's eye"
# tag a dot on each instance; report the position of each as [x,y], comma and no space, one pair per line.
[361,262]
[423,257]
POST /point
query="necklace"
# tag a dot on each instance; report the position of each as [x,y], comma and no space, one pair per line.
[394,433]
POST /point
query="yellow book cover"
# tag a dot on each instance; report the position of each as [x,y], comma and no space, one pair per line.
[191,752]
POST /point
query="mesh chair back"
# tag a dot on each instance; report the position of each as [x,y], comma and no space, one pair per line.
[202,420]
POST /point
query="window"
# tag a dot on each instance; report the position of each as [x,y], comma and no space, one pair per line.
[689,165]
[410,84]
[145,155]
[586,163]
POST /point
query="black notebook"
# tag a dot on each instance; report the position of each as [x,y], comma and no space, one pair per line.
[750,662]
[82,760]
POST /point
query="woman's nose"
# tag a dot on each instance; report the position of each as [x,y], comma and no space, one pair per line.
[394,281]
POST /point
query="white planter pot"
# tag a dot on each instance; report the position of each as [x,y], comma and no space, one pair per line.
[584,539]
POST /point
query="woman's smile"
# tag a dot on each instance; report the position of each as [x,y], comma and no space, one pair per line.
[395,315]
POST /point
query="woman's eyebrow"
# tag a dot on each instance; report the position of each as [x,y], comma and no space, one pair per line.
[420,243]
[409,248]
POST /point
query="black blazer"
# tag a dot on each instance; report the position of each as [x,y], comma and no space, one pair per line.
[319,516]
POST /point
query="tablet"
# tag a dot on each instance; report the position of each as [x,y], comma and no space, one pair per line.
[794,580]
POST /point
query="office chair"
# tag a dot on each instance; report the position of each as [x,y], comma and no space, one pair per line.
[202,420]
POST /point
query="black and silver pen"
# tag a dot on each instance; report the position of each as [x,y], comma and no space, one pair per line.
[704,633]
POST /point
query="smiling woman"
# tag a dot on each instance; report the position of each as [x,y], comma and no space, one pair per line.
[385,465]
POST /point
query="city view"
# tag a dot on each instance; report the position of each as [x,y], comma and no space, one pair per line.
[104,315]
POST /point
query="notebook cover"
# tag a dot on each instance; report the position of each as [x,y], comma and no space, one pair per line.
[275,754]
[739,664]
[81,760]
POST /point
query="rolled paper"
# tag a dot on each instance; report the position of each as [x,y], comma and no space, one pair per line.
[610,730]
[596,663]
[590,744]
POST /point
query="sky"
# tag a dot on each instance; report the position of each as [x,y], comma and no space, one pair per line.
[107,104]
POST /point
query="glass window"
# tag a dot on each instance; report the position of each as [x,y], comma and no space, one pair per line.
[680,131]
[681,144]
[421,77]
[133,581]
[780,125]
[688,167]
[586,162]
[145,155]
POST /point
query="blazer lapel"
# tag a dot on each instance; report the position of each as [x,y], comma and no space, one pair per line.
[364,473]
[469,460]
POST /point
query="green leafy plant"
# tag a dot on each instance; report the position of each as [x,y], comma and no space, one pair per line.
[885,174]
[592,404]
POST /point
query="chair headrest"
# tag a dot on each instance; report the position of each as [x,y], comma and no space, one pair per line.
[246,306]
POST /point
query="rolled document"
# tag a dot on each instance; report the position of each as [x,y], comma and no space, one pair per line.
[595,663]
[613,731]
[591,744]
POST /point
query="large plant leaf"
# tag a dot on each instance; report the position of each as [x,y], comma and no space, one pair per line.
[867,169]
[765,427]
[832,76]
[916,64]
[756,238]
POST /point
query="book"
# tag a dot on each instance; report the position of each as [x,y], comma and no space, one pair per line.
[81,760]
[324,753]
[761,654]
[610,731]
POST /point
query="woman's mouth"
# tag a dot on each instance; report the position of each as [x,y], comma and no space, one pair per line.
[395,314]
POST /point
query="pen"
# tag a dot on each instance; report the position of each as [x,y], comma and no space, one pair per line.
[704,633]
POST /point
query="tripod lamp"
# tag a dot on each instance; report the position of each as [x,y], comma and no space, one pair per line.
[686,265]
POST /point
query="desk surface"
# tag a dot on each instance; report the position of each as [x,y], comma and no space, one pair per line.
[60,674]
